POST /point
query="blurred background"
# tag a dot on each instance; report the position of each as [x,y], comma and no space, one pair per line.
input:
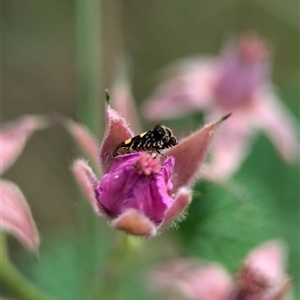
[59,56]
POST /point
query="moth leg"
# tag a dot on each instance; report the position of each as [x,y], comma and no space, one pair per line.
[159,152]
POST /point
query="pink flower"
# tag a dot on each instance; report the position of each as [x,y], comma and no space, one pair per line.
[141,192]
[262,277]
[238,82]
[15,214]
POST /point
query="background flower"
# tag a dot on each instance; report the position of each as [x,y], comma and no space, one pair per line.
[238,82]
[262,276]
[14,136]
[15,214]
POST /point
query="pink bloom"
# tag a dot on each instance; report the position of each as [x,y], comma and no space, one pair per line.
[141,192]
[262,277]
[15,214]
[238,82]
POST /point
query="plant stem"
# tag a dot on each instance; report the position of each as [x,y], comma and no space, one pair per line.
[15,282]
[91,99]
[88,13]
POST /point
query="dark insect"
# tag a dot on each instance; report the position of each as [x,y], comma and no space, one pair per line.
[158,138]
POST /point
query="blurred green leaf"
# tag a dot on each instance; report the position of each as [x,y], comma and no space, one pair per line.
[222,227]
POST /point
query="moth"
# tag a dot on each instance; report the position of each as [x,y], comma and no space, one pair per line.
[158,138]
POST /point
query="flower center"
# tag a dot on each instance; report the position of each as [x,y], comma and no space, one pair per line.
[252,49]
[148,163]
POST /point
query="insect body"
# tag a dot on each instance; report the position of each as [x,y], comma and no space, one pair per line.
[158,138]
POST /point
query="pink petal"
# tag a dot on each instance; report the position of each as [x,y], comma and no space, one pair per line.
[189,155]
[242,69]
[14,136]
[210,282]
[124,103]
[124,187]
[269,260]
[116,132]
[15,215]
[229,148]
[190,89]
[279,124]
[192,279]
[85,140]
[88,182]
[181,202]
[135,223]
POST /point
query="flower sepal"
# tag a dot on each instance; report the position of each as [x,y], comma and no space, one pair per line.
[135,223]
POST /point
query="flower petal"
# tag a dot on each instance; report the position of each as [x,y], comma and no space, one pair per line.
[182,200]
[15,215]
[88,182]
[124,187]
[14,136]
[85,140]
[242,69]
[116,132]
[279,124]
[189,90]
[192,279]
[189,155]
[135,223]
[210,282]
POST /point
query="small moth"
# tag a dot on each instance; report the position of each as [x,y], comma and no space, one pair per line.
[158,138]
